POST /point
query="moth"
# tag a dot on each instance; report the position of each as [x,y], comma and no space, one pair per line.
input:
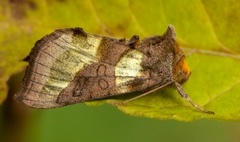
[70,66]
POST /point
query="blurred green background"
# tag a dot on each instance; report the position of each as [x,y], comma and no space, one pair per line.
[22,22]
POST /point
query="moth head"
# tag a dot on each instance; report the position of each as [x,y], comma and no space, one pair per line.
[181,72]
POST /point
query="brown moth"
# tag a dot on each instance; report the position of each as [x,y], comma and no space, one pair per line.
[70,66]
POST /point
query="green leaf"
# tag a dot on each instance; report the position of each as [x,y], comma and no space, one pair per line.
[207,30]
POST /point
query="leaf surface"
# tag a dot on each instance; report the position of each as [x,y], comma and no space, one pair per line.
[208,31]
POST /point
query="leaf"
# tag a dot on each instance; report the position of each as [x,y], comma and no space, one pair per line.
[207,30]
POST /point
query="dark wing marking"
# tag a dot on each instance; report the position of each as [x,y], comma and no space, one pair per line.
[101,80]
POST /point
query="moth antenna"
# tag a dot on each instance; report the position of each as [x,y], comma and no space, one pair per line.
[146,93]
[185,96]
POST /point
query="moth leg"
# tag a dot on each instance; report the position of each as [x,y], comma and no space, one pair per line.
[185,96]
[133,41]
